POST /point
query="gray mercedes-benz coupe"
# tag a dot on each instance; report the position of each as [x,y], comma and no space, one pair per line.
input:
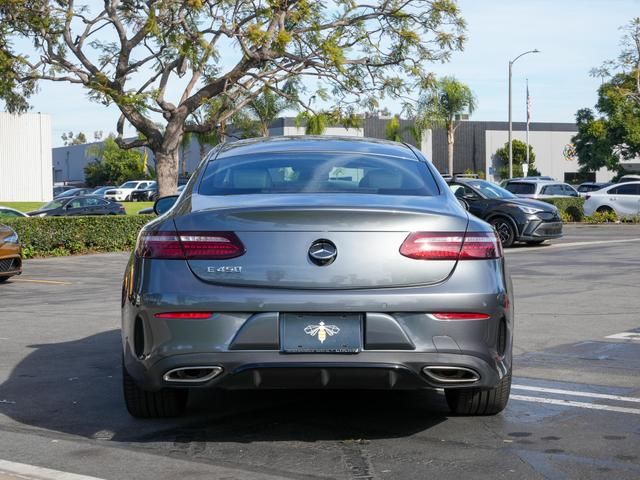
[316,262]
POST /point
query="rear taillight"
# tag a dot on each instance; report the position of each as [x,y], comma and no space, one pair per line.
[190,245]
[451,246]
[184,315]
[460,316]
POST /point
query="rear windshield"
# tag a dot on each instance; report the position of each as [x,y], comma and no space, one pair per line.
[521,188]
[317,172]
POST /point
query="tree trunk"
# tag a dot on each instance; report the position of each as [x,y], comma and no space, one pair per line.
[168,158]
[450,140]
[167,172]
[264,129]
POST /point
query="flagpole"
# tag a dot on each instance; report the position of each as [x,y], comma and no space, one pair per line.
[528,119]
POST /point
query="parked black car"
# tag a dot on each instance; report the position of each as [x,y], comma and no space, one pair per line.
[146,195]
[58,189]
[587,187]
[82,205]
[515,219]
[74,192]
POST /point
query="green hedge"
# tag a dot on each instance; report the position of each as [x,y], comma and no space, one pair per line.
[58,236]
[571,208]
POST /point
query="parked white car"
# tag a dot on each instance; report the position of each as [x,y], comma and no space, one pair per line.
[629,178]
[540,189]
[621,198]
[123,192]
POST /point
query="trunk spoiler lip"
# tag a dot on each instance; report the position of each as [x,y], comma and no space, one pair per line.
[341,202]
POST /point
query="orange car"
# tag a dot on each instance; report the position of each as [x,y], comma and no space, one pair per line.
[10,259]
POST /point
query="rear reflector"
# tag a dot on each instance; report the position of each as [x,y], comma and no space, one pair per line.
[451,246]
[190,245]
[460,316]
[185,315]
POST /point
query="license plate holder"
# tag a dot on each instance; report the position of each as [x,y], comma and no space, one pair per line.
[321,333]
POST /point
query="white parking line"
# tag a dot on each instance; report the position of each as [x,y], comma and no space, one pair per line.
[31,472]
[633,336]
[571,403]
[604,396]
[571,244]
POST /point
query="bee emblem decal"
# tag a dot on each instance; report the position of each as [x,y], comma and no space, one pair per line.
[321,330]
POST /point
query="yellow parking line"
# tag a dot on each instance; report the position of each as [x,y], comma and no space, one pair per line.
[52,282]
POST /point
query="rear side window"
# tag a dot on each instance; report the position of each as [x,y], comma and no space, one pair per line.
[626,190]
[553,190]
[317,172]
[521,188]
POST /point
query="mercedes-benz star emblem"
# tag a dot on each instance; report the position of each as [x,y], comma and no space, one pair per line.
[323,252]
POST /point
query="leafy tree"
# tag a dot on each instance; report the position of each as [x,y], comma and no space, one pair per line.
[132,53]
[416,132]
[519,158]
[441,106]
[71,139]
[613,132]
[205,138]
[392,130]
[317,123]
[259,114]
[114,165]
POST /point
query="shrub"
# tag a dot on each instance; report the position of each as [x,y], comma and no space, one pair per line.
[571,208]
[601,217]
[59,236]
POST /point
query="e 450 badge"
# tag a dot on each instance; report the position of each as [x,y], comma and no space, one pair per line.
[227,269]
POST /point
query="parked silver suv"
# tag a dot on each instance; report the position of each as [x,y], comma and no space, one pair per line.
[540,189]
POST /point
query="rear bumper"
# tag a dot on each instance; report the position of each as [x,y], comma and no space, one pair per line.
[243,336]
[272,370]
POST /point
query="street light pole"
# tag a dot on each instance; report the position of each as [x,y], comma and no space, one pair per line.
[511,62]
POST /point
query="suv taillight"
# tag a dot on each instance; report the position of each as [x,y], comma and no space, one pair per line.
[189,245]
[452,246]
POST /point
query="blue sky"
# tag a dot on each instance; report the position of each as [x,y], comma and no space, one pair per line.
[573,36]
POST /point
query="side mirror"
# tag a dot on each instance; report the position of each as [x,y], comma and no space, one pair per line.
[164,204]
[464,203]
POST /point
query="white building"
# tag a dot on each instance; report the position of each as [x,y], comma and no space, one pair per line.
[25,158]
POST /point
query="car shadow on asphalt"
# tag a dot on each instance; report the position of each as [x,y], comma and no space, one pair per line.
[75,388]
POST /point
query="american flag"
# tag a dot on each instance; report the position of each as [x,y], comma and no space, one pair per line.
[528,104]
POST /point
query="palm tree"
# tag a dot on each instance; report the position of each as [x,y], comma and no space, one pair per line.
[442,105]
[260,113]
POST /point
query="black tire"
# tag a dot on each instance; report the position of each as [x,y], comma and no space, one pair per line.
[506,231]
[165,403]
[477,402]
[534,242]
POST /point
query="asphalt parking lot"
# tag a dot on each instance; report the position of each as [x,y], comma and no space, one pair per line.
[574,411]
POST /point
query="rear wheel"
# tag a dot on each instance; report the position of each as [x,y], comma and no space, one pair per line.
[164,403]
[505,230]
[475,401]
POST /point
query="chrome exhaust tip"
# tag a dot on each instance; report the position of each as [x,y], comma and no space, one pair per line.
[450,375]
[192,374]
